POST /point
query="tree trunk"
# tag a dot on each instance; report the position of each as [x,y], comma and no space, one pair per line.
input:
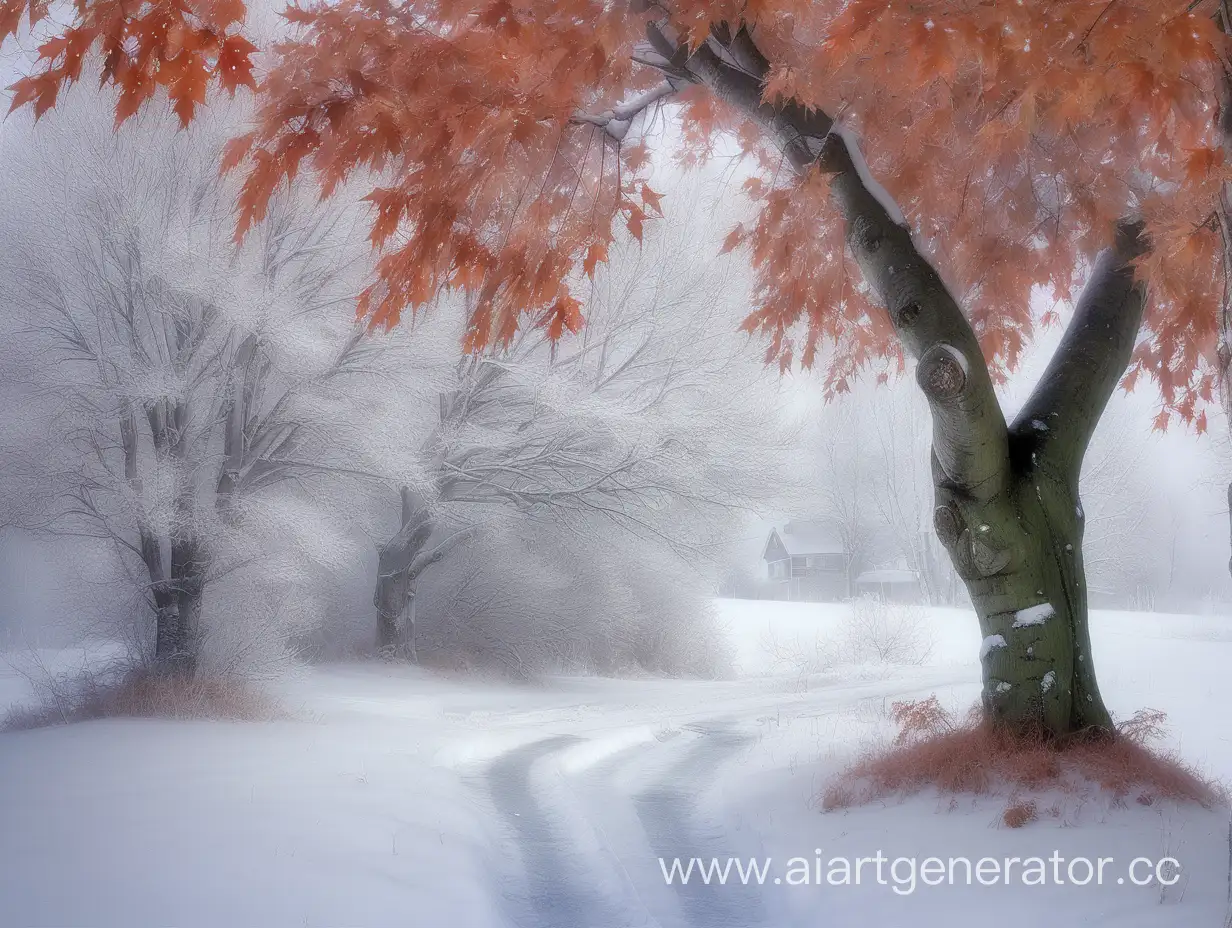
[166,627]
[1019,553]
[400,561]
[187,576]
[178,585]
[395,617]
[1007,506]
[169,644]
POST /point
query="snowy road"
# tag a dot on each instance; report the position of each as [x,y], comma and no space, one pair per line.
[587,818]
[398,798]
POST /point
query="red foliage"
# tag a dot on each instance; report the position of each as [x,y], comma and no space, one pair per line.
[935,750]
[179,45]
[1019,813]
[1013,136]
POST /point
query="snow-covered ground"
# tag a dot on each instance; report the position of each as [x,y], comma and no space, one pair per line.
[397,798]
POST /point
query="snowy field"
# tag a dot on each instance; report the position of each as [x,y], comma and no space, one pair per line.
[393,797]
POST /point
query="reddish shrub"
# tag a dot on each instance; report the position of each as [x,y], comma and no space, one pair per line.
[934,749]
[837,796]
[1019,813]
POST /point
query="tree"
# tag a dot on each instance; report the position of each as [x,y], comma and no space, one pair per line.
[1083,140]
[179,387]
[623,425]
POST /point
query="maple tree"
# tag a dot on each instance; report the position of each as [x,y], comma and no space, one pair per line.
[1024,149]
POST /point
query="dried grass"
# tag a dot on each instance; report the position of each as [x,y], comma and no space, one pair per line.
[1020,812]
[142,694]
[934,749]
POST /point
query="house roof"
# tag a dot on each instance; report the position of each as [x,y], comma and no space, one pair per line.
[803,538]
[887,575]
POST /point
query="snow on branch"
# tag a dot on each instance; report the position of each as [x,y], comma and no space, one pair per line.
[616,121]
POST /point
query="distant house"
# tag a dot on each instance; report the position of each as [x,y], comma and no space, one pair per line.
[805,562]
[890,584]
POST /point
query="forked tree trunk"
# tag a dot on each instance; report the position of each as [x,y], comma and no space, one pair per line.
[1007,503]
[1007,506]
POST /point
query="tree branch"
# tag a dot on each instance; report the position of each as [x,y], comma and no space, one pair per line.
[1057,420]
[796,130]
[616,121]
[969,433]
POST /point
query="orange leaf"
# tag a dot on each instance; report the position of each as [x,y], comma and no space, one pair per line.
[596,254]
[234,65]
[41,89]
[634,223]
[136,87]
[223,13]
[733,240]
[652,199]
[53,48]
[566,313]
[188,90]
[636,155]
[235,151]
[1200,163]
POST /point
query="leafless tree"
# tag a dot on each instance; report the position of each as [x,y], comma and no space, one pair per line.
[654,420]
[180,379]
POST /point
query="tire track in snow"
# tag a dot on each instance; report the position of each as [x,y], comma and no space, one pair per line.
[675,828]
[560,893]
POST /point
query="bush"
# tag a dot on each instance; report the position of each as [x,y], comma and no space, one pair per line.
[875,632]
[885,633]
[798,655]
[1020,812]
[935,749]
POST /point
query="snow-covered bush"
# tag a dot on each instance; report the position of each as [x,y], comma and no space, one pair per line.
[798,654]
[522,602]
[878,632]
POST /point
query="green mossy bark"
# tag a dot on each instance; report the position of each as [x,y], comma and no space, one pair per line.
[1020,556]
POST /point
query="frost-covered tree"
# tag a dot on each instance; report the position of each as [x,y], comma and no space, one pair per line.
[181,393]
[653,427]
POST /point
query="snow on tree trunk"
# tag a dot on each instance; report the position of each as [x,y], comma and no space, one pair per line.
[1020,556]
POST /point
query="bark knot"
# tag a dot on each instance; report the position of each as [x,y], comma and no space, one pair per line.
[948,525]
[942,372]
